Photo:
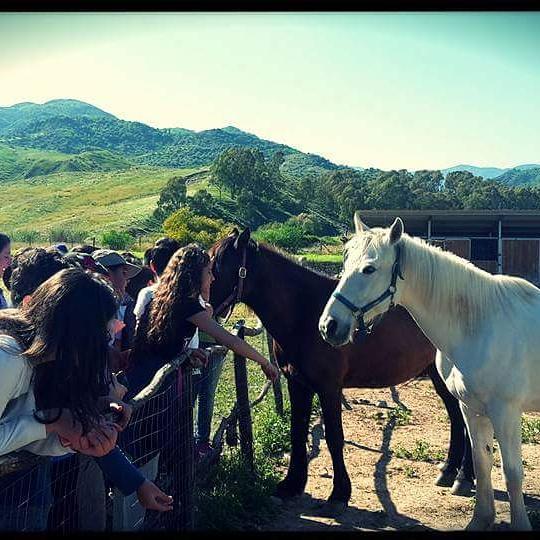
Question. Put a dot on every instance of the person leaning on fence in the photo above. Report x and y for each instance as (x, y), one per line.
(5, 263)
(175, 313)
(63, 321)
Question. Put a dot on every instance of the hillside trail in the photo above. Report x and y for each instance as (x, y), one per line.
(390, 492)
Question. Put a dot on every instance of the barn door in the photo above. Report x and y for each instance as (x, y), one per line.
(520, 258)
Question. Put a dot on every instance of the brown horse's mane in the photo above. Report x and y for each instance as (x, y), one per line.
(279, 254)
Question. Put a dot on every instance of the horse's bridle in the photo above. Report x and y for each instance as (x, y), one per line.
(228, 304)
(359, 312)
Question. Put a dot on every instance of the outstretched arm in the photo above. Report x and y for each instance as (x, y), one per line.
(203, 321)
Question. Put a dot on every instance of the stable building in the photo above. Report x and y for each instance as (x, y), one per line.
(499, 241)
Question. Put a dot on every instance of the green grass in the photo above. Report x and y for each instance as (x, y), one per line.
(402, 415)
(237, 500)
(323, 257)
(422, 451)
(89, 201)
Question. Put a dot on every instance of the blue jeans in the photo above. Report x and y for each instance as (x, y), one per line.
(204, 388)
(26, 498)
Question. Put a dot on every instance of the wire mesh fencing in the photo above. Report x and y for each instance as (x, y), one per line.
(70, 493)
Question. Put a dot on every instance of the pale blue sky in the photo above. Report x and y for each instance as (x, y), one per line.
(390, 90)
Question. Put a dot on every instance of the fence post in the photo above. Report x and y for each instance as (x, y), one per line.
(276, 387)
(187, 453)
(242, 399)
(178, 456)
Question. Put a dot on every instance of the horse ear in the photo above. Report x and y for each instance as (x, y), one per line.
(359, 225)
(242, 241)
(344, 239)
(234, 232)
(396, 231)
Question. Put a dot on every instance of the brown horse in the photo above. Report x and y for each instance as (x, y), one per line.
(289, 298)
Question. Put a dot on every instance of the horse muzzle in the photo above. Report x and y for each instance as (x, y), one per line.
(332, 332)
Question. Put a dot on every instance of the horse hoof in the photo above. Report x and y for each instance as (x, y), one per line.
(462, 488)
(332, 509)
(285, 492)
(446, 479)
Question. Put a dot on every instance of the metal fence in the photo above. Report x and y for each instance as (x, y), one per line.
(70, 493)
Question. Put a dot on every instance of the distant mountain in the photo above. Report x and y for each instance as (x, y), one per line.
(488, 172)
(72, 127)
(485, 172)
(528, 176)
(23, 113)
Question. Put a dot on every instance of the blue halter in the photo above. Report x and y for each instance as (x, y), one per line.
(359, 312)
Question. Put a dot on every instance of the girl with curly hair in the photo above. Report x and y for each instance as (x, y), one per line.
(176, 312)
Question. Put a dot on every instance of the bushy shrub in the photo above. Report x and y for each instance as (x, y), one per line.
(186, 226)
(289, 235)
(117, 240)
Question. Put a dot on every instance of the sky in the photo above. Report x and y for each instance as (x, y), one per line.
(367, 89)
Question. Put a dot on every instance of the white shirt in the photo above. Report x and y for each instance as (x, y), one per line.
(19, 430)
(145, 295)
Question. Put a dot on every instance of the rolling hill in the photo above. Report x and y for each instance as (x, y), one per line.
(73, 127)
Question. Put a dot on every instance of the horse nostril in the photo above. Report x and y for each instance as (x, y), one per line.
(331, 326)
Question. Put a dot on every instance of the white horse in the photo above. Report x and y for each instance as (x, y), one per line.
(486, 329)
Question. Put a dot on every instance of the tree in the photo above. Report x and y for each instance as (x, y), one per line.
(171, 197)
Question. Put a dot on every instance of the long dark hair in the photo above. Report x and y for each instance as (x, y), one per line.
(180, 282)
(63, 333)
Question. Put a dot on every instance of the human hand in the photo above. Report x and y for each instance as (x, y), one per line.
(271, 371)
(152, 498)
(99, 441)
(117, 391)
(197, 358)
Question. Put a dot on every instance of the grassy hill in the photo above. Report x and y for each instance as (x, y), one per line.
(89, 201)
(18, 163)
(73, 127)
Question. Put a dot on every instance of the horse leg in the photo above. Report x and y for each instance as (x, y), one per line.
(341, 493)
(456, 451)
(464, 482)
(481, 433)
(507, 425)
(301, 399)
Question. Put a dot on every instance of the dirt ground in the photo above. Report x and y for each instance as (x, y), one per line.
(389, 492)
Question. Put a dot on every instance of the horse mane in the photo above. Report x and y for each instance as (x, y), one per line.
(273, 252)
(453, 284)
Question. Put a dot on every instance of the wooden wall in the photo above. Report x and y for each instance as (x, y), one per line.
(520, 258)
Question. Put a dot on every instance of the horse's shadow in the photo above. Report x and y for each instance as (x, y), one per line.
(308, 510)
(307, 513)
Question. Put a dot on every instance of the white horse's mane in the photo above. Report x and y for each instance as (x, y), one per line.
(453, 284)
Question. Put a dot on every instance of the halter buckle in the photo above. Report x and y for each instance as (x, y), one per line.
(242, 272)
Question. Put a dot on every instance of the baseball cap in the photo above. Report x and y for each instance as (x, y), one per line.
(85, 261)
(109, 258)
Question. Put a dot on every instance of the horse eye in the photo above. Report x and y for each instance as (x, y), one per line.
(369, 269)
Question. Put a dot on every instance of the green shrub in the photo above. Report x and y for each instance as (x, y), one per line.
(530, 430)
(117, 240)
(186, 226)
(289, 235)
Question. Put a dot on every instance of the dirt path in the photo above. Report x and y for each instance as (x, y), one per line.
(389, 492)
